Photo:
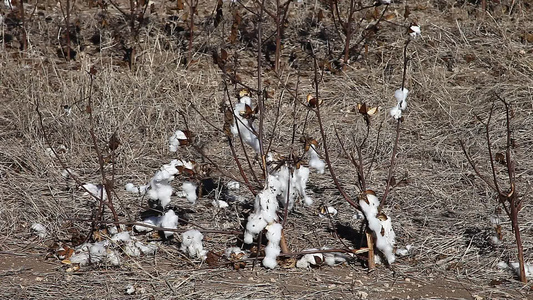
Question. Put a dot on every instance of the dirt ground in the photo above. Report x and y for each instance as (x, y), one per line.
(145, 79)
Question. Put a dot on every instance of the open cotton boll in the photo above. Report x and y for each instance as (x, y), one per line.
(234, 251)
(272, 251)
(97, 252)
(174, 140)
(233, 185)
(160, 191)
(300, 178)
(314, 160)
(256, 223)
(81, 258)
(528, 269)
(130, 187)
(274, 233)
(169, 220)
(192, 244)
(246, 100)
(189, 189)
(268, 204)
(401, 94)
(307, 260)
(244, 127)
(131, 250)
(220, 204)
(396, 113)
(149, 249)
(414, 31)
(39, 230)
(121, 236)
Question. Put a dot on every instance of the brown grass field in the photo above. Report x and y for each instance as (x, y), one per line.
(463, 59)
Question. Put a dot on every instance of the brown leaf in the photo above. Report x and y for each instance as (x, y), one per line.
(500, 158)
(114, 142)
(179, 5)
(212, 259)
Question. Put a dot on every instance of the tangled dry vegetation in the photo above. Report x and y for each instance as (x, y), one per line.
(151, 77)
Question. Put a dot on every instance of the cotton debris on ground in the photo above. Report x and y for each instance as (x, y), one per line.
(192, 244)
(107, 252)
(39, 230)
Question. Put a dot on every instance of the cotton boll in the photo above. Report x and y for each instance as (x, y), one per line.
(192, 244)
(169, 220)
(174, 140)
(528, 269)
(248, 237)
(268, 204)
(112, 258)
(131, 250)
(385, 2)
(233, 185)
(161, 192)
(270, 262)
(401, 94)
(256, 224)
(396, 113)
(112, 229)
(39, 230)
(301, 176)
(130, 289)
(414, 31)
(314, 160)
(502, 265)
(234, 251)
(97, 252)
(130, 187)
(190, 191)
(81, 258)
(220, 204)
(246, 100)
(149, 249)
(274, 233)
(121, 236)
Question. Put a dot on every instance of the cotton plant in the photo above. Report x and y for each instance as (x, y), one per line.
(380, 225)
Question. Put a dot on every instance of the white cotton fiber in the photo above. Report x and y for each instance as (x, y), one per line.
(220, 204)
(39, 230)
(256, 223)
(131, 250)
(244, 126)
(149, 249)
(189, 189)
(233, 185)
(121, 236)
(192, 244)
(169, 220)
(274, 233)
(401, 95)
(314, 160)
(528, 268)
(174, 140)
